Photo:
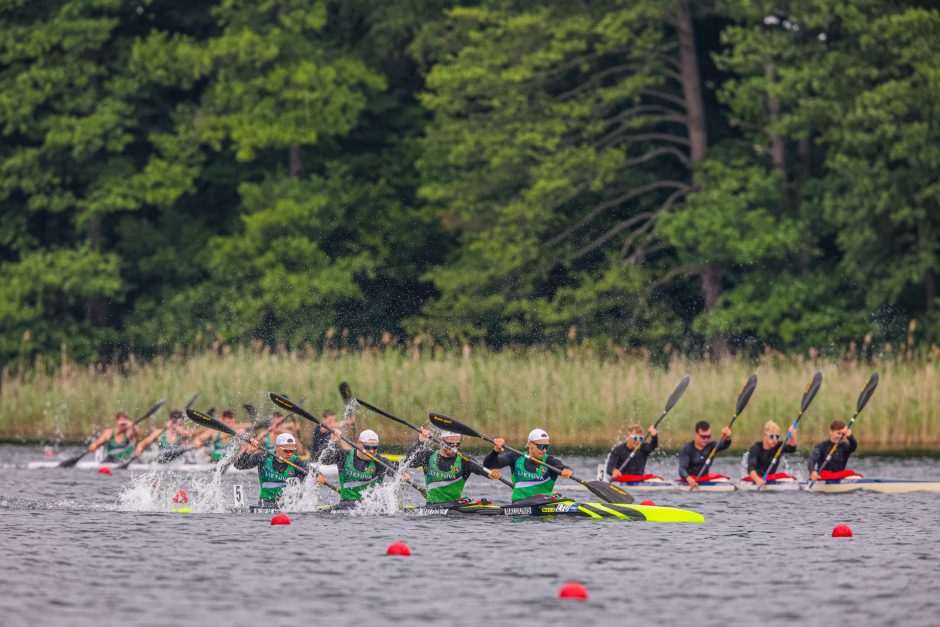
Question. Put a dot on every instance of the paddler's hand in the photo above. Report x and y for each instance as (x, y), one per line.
(758, 481)
(814, 476)
(615, 473)
(406, 477)
(726, 432)
(498, 444)
(495, 475)
(425, 434)
(566, 473)
(692, 482)
(652, 431)
(321, 479)
(847, 432)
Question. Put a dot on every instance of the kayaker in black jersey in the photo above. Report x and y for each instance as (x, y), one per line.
(762, 453)
(357, 471)
(693, 455)
(321, 435)
(274, 473)
(532, 482)
(836, 468)
(635, 470)
(119, 440)
(445, 473)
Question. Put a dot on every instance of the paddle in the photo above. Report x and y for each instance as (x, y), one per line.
(204, 420)
(168, 456)
(346, 392)
(70, 462)
(743, 397)
(670, 403)
(606, 491)
(859, 406)
(289, 405)
(808, 395)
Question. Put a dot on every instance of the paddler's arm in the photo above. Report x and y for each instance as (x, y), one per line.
(653, 444)
(814, 460)
(104, 437)
(499, 457)
(853, 443)
(557, 467)
(248, 460)
(418, 455)
(333, 455)
(471, 467)
(614, 459)
(143, 444)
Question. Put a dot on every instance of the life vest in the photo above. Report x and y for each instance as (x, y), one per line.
(219, 447)
(352, 481)
(272, 481)
(119, 450)
(444, 486)
(526, 483)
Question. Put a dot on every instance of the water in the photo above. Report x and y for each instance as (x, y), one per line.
(84, 549)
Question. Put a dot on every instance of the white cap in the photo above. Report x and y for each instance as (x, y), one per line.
(537, 434)
(450, 434)
(369, 436)
(284, 438)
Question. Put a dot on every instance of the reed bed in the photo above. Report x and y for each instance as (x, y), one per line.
(581, 398)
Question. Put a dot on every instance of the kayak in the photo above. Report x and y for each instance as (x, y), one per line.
(884, 486)
(179, 465)
(588, 510)
(660, 486)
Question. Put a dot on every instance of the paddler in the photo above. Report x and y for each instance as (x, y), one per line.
(273, 473)
(761, 454)
(693, 455)
(278, 424)
(218, 441)
(118, 440)
(836, 468)
(173, 439)
(533, 483)
(445, 472)
(321, 435)
(358, 472)
(634, 445)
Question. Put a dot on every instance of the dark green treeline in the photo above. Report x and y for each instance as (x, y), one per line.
(712, 175)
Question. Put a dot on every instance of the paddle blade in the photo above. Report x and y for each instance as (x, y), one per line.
(867, 392)
(745, 395)
(252, 412)
(608, 492)
(346, 392)
(71, 461)
(207, 421)
(191, 401)
(810, 393)
(285, 403)
(452, 424)
(676, 394)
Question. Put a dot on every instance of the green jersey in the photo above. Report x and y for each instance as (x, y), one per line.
(444, 486)
(272, 481)
(219, 447)
(526, 483)
(352, 481)
(119, 450)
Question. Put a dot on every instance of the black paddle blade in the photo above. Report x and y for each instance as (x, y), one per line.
(867, 392)
(609, 492)
(191, 401)
(745, 394)
(285, 403)
(207, 421)
(810, 393)
(676, 394)
(346, 392)
(451, 424)
(252, 412)
(71, 461)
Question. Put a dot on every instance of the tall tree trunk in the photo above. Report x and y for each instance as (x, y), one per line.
(778, 155)
(930, 289)
(698, 143)
(296, 168)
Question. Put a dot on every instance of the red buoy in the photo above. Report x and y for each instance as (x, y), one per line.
(280, 519)
(573, 590)
(104, 470)
(398, 548)
(841, 531)
(181, 497)
(648, 502)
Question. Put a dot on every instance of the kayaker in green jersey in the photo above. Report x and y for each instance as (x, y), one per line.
(118, 440)
(357, 471)
(172, 439)
(445, 472)
(217, 441)
(273, 472)
(532, 482)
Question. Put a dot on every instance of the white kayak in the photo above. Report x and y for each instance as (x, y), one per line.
(849, 484)
(174, 466)
(885, 486)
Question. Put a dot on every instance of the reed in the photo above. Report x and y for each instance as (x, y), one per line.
(582, 398)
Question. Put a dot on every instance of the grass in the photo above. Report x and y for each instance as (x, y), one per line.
(583, 400)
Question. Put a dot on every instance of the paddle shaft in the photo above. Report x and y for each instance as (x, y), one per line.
(300, 411)
(441, 442)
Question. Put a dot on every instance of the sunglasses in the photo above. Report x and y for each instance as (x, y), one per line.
(370, 447)
(773, 436)
(542, 447)
(636, 438)
(704, 436)
(451, 444)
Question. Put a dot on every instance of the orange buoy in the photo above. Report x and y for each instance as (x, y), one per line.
(104, 470)
(841, 531)
(648, 502)
(573, 590)
(280, 519)
(398, 548)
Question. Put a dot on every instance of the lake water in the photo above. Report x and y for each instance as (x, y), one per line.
(84, 549)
